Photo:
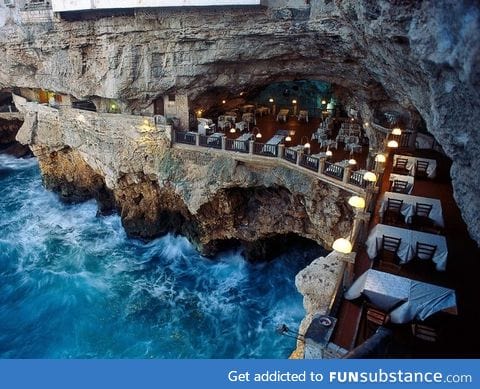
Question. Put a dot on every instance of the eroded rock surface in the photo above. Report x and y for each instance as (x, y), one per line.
(419, 56)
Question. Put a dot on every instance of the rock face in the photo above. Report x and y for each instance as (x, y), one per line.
(10, 123)
(422, 57)
(212, 197)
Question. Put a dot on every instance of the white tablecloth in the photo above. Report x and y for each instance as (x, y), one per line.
(401, 177)
(404, 298)
(408, 244)
(408, 206)
(412, 163)
(275, 140)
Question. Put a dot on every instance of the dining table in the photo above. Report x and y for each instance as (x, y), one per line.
(408, 206)
(404, 299)
(282, 114)
(408, 244)
(412, 164)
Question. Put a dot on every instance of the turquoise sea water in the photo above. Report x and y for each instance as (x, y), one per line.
(73, 285)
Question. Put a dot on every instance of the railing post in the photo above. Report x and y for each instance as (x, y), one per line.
(346, 174)
(281, 150)
(224, 142)
(197, 139)
(321, 165)
(250, 146)
(299, 157)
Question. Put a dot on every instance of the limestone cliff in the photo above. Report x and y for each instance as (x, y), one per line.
(422, 57)
(214, 198)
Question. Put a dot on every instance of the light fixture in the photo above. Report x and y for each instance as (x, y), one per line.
(241, 93)
(393, 144)
(396, 131)
(380, 158)
(352, 119)
(270, 100)
(328, 153)
(199, 113)
(258, 136)
(233, 130)
(370, 177)
(352, 162)
(146, 122)
(294, 101)
(113, 106)
(223, 101)
(342, 245)
(324, 102)
(367, 124)
(288, 138)
(357, 202)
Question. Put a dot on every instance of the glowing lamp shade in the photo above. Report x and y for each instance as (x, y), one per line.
(342, 245)
(380, 158)
(329, 153)
(393, 144)
(396, 131)
(113, 106)
(294, 101)
(258, 136)
(233, 130)
(370, 177)
(288, 138)
(357, 202)
(270, 100)
(367, 124)
(223, 101)
(307, 145)
(324, 102)
(352, 162)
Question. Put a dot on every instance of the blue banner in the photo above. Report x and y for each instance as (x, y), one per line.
(139, 374)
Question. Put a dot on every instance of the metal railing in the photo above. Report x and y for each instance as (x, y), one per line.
(333, 170)
(210, 141)
(265, 149)
(290, 155)
(188, 138)
(356, 179)
(241, 146)
(309, 162)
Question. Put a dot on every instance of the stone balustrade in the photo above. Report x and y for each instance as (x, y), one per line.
(326, 171)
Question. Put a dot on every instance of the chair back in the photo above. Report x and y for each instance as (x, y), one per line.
(401, 163)
(421, 167)
(390, 243)
(422, 209)
(399, 186)
(425, 251)
(394, 205)
(424, 332)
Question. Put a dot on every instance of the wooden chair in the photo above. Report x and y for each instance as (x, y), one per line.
(399, 186)
(400, 166)
(420, 219)
(424, 332)
(373, 318)
(425, 251)
(387, 255)
(392, 214)
(421, 169)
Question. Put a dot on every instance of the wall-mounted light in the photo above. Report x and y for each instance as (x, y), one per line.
(366, 124)
(342, 245)
(352, 162)
(270, 100)
(397, 131)
(324, 102)
(288, 138)
(223, 101)
(233, 130)
(357, 202)
(294, 101)
(370, 177)
(393, 144)
(257, 132)
(380, 158)
(328, 153)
